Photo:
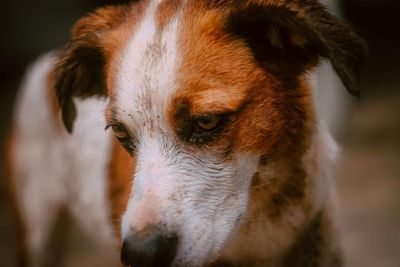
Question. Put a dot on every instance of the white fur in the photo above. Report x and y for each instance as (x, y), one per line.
(55, 169)
(193, 194)
(38, 169)
(146, 70)
(332, 99)
(318, 161)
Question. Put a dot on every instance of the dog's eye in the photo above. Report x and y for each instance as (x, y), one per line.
(206, 128)
(120, 131)
(199, 129)
(123, 136)
(207, 123)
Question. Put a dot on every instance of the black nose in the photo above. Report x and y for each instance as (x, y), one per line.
(151, 249)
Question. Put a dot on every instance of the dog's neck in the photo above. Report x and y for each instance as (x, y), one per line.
(287, 199)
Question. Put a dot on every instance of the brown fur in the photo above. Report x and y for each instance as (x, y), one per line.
(165, 11)
(210, 70)
(120, 178)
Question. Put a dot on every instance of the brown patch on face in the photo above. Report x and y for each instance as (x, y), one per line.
(257, 53)
(277, 121)
(119, 184)
(165, 12)
(219, 73)
(215, 70)
(23, 257)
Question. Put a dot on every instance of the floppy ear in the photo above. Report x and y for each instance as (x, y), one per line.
(288, 37)
(79, 71)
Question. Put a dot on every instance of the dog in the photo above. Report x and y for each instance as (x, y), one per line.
(186, 133)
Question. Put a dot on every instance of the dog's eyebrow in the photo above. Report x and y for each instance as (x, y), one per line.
(217, 101)
(111, 115)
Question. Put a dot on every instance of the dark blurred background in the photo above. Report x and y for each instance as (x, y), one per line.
(368, 172)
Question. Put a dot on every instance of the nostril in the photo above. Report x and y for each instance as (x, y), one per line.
(149, 250)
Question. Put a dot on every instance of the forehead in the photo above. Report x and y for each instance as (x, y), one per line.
(147, 62)
(179, 50)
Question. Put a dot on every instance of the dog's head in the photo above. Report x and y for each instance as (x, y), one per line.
(197, 92)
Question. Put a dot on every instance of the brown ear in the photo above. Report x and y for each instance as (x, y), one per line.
(288, 37)
(79, 71)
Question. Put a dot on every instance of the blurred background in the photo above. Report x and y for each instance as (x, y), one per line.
(368, 172)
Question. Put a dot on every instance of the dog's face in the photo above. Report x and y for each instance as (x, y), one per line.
(198, 91)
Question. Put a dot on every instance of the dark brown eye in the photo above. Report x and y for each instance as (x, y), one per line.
(120, 131)
(203, 128)
(207, 123)
(123, 136)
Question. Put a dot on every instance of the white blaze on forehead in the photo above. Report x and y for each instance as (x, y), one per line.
(146, 73)
(144, 82)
